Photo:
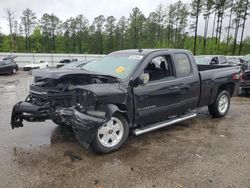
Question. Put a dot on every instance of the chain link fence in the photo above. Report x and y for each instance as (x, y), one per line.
(24, 58)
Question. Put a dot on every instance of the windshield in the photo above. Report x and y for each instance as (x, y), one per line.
(118, 65)
(202, 60)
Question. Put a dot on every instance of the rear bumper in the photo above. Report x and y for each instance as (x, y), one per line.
(84, 125)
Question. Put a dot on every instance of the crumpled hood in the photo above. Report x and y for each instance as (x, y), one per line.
(104, 89)
(59, 73)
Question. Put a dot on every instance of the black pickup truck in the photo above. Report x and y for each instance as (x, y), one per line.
(127, 91)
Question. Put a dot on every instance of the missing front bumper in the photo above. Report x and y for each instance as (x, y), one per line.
(29, 112)
(84, 125)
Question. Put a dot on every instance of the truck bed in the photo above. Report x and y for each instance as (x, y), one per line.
(212, 77)
(211, 67)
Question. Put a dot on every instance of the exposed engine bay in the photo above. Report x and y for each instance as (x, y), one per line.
(63, 92)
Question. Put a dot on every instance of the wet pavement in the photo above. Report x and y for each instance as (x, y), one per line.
(202, 152)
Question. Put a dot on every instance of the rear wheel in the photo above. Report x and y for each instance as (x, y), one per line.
(111, 136)
(221, 105)
(14, 71)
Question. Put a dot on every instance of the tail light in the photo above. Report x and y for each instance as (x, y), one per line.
(237, 76)
(243, 77)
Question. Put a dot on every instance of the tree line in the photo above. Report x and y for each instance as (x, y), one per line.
(173, 26)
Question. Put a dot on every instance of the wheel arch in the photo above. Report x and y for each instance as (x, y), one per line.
(228, 87)
(111, 109)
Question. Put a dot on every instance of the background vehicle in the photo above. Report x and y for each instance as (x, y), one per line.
(236, 61)
(245, 82)
(37, 64)
(76, 64)
(233, 60)
(65, 62)
(8, 65)
(138, 90)
(211, 60)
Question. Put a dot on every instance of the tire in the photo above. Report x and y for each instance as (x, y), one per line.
(106, 139)
(14, 71)
(221, 105)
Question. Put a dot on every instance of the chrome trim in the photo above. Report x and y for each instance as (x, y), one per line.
(38, 93)
(163, 124)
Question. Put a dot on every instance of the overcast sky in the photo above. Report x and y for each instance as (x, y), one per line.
(89, 8)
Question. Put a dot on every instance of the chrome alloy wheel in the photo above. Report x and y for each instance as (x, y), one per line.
(111, 133)
(223, 104)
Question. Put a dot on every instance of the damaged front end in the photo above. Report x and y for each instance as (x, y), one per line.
(29, 112)
(65, 103)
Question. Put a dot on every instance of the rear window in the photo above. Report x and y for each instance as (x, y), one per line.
(223, 60)
(183, 67)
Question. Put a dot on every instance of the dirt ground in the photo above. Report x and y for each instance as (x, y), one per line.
(202, 152)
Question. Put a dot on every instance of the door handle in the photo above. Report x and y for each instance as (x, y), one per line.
(174, 87)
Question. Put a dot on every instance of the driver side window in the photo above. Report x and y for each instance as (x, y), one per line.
(159, 68)
(214, 61)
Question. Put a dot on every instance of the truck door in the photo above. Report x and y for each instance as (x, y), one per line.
(167, 94)
(188, 81)
(158, 99)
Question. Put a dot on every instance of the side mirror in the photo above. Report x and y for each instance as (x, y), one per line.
(143, 79)
(213, 62)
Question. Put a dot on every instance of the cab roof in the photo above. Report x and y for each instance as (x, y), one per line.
(147, 51)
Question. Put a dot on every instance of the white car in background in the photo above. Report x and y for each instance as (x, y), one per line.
(37, 64)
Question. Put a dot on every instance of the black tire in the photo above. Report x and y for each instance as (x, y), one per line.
(100, 148)
(215, 110)
(14, 70)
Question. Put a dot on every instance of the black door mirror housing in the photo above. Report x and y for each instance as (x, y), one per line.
(142, 80)
(213, 62)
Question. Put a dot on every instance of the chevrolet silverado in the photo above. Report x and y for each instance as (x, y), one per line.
(127, 91)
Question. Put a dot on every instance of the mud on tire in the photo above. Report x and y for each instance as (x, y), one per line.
(221, 105)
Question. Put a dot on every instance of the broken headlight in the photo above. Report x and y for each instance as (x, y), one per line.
(85, 101)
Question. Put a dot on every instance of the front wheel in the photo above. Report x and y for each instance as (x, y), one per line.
(111, 136)
(221, 105)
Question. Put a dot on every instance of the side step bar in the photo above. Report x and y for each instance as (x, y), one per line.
(163, 124)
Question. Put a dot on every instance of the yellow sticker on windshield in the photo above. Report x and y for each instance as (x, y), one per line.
(120, 69)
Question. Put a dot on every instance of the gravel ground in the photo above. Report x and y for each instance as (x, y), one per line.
(202, 152)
